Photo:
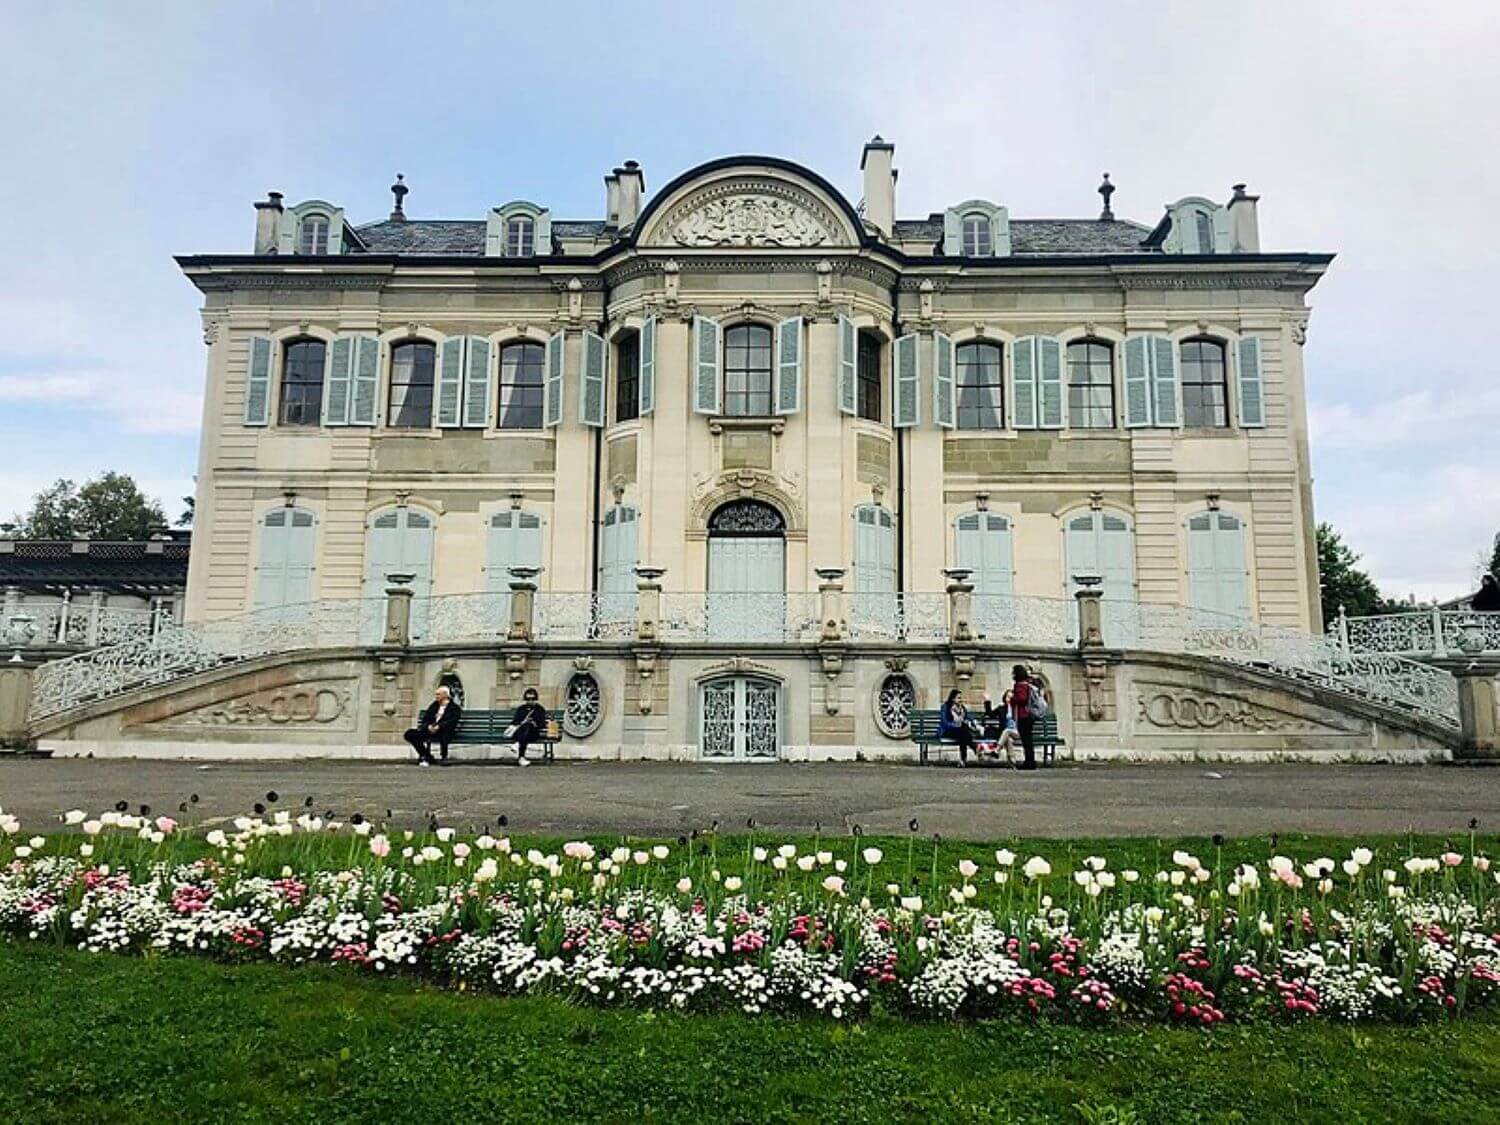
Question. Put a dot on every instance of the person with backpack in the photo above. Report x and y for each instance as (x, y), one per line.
(1029, 703)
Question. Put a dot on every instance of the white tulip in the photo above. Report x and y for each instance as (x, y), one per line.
(1001, 877)
(661, 851)
(445, 834)
(1096, 863)
(892, 889)
(92, 827)
(733, 883)
(1004, 857)
(970, 890)
(806, 862)
(833, 885)
(968, 868)
(22, 851)
(640, 859)
(684, 885)
(1036, 867)
(85, 850)
(912, 903)
(825, 858)
(1178, 878)
(1105, 879)
(872, 856)
(840, 866)
(786, 851)
(74, 816)
(779, 862)
(759, 855)
(1351, 868)
(1363, 856)
(1129, 875)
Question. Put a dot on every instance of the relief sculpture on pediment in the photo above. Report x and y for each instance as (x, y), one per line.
(749, 220)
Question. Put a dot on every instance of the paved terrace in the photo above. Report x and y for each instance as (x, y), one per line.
(671, 798)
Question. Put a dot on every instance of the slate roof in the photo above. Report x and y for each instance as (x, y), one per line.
(34, 564)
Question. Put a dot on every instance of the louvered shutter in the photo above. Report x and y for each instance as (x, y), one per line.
(450, 382)
(258, 381)
(1081, 549)
(1252, 389)
(1137, 383)
(1024, 360)
(906, 407)
(1229, 562)
(300, 543)
(1164, 382)
(789, 365)
(270, 574)
(366, 384)
(338, 380)
(553, 400)
(646, 387)
(705, 365)
(1203, 590)
(477, 383)
(591, 390)
(1116, 557)
(943, 403)
(848, 367)
(864, 549)
(515, 540)
(1051, 403)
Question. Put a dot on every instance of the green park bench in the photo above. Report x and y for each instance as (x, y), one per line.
(924, 732)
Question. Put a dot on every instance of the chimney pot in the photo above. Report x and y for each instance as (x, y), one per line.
(267, 222)
(632, 191)
(1244, 222)
(880, 184)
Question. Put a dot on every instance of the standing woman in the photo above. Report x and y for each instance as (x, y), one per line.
(953, 725)
(1022, 707)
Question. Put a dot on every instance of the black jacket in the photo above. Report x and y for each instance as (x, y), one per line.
(533, 713)
(450, 719)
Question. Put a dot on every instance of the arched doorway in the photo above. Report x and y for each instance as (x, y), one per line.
(746, 572)
(740, 718)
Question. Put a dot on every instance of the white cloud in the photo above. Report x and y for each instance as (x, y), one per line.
(52, 387)
(138, 406)
(1424, 416)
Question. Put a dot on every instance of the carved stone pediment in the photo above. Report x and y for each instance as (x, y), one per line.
(750, 211)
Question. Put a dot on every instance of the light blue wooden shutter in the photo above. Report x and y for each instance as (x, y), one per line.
(270, 574)
(591, 390)
(1203, 586)
(300, 544)
(553, 401)
(848, 367)
(943, 403)
(1137, 383)
(515, 540)
(646, 387)
(477, 383)
(1164, 382)
(789, 365)
(953, 233)
(1024, 361)
(906, 408)
(705, 365)
(366, 388)
(874, 550)
(1116, 557)
(338, 380)
(982, 544)
(617, 551)
(1051, 403)
(1252, 389)
(1216, 564)
(258, 381)
(450, 382)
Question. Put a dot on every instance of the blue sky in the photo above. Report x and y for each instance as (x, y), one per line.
(136, 131)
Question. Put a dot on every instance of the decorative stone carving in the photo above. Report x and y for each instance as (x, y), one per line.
(1299, 332)
(583, 705)
(449, 678)
(894, 701)
(390, 671)
(1183, 709)
(319, 706)
(211, 327)
(749, 220)
(1094, 672)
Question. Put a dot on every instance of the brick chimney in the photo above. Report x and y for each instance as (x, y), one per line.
(267, 222)
(880, 184)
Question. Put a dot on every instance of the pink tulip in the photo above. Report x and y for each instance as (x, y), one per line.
(380, 846)
(166, 825)
(1452, 859)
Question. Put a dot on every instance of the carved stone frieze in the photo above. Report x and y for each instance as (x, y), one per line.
(320, 705)
(1178, 708)
(750, 212)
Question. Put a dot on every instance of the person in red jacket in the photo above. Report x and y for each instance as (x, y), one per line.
(1021, 703)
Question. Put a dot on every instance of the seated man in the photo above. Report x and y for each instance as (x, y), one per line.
(527, 724)
(437, 724)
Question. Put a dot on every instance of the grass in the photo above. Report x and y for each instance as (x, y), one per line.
(105, 1038)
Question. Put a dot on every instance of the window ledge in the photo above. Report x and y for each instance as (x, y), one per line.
(624, 429)
(718, 423)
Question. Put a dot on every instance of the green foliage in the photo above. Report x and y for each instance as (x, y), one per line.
(189, 507)
(110, 506)
(107, 1038)
(1495, 557)
(1341, 581)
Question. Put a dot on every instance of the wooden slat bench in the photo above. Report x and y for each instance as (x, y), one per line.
(924, 732)
(487, 728)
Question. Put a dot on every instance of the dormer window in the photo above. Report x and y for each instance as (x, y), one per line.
(1205, 227)
(312, 235)
(977, 236)
(519, 237)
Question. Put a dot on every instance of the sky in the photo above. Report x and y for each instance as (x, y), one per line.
(138, 131)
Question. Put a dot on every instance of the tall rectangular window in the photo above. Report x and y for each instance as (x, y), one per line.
(747, 371)
(1091, 386)
(412, 368)
(1205, 389)
(628, 378)
(868, 396)
(521, 386)
(980, 387)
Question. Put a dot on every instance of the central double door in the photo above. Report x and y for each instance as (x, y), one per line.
(746, 598)
(741, 719)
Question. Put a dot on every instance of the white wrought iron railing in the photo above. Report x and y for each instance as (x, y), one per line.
(80, 625)
(744, 617)
(182, 650)
(918, 618)
(1431, 632)
(1380, 677)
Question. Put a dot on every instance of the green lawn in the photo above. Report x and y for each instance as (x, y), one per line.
(107, 1038)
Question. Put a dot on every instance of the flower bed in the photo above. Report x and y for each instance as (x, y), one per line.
(837, 930)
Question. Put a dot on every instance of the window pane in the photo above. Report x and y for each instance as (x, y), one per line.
(980, 399)
(869, 381)
(747, 371)
(627, 378)
(1205, 392)
(1091, 393)
(522, 389)
(412, 367)
(302, 383)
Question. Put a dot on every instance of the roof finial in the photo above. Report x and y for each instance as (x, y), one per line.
(399, 190)
(1106, 189)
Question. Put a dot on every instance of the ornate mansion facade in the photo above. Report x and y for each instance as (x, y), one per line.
(746, 396)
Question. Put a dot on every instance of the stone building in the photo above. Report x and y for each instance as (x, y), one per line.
(754, 395)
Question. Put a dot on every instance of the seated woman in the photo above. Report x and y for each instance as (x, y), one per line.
(953, 725)
(1000, 731)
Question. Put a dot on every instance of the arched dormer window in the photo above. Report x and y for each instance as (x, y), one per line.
(302, 367)
(312, 234)
(519, 237)
(976, 234)
(1205, 383)
(976, 229)
(1194, 225)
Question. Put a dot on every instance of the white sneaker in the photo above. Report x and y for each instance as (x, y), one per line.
(424, 764)
(522, 762)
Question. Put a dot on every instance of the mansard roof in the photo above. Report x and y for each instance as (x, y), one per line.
(134, 566)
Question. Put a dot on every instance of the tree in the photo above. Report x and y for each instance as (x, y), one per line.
(189, 504)
(1341, 580)
(1495, 557)
(110, 506)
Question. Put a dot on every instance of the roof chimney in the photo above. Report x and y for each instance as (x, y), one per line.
(267, 222)
(1244, 222)
(399, 190)
(632, 192)
(612, 199)
(880, 184)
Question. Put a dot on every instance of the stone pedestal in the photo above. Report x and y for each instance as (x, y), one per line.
(15, 704)
(398, 610)
(522, 610)
(1090, 618)
(1479, 717)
